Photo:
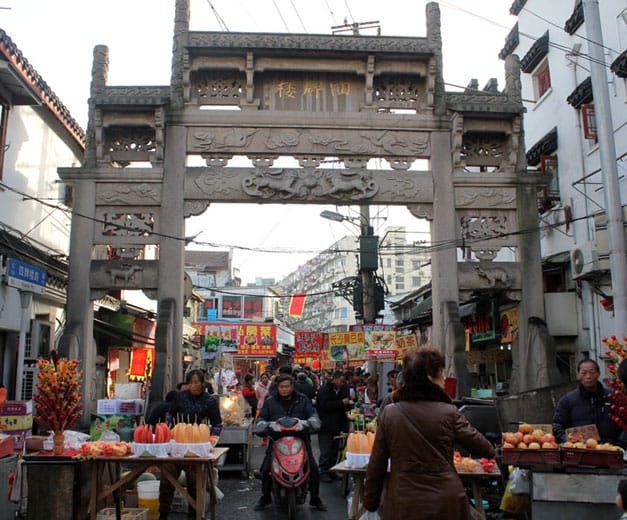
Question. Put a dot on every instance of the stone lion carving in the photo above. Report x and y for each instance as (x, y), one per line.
(123, 272)
(493, 275)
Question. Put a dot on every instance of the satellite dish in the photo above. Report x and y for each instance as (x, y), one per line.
(188, 287)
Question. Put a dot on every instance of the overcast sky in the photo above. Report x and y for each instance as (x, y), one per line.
(58, 37)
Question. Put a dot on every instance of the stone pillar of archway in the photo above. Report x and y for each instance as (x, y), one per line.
(77, 341)
(448, 333)
(171, 264)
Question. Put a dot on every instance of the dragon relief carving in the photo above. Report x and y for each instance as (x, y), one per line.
(129, 193)
(288, 184)
(489, 196)
(235, 138)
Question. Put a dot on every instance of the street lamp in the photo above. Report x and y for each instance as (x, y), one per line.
(368, 260)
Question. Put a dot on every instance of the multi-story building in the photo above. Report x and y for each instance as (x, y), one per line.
(403, 267)
(552, 41)
(37, 135)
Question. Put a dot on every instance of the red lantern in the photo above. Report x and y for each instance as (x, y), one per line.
(315, 364)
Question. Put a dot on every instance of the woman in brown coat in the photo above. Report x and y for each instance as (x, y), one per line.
(417, 434)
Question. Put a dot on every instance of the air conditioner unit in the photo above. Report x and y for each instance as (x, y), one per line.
(584, 260)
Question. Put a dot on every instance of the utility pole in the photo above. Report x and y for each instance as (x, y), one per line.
(368, 263)
(609, 170)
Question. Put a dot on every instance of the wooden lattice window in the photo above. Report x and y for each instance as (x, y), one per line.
(551, 194)
(543, 80)
(589, 122)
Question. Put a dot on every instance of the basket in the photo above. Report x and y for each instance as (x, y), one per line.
(156, 450)
(592, 458)
(128, 513)
(522, 457)
(197, 449)
(108, 406)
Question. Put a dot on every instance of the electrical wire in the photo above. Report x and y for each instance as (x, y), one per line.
(219, 19)
(281, 16)
(333, 21)
(350, 13)
(298, 16)
(525, 8)
(433, 247)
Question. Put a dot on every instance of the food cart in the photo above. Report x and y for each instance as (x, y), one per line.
(237, 434)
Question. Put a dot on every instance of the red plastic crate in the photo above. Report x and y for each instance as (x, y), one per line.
(592, 458)
(522, 457)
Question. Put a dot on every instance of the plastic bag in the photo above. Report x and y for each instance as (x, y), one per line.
(520, 481)
(73, 440)
(368, 515)
(514, 503)
(109, 436)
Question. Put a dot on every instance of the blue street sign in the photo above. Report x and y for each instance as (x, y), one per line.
(26, 276)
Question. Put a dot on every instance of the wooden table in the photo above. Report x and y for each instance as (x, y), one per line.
(477, 511)
(204, 479)
(359, 477)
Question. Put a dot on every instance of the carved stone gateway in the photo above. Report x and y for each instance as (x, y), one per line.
(317, 99)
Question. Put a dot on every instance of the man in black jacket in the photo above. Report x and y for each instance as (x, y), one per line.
(287, 402)
(332, 404)
(587, 404)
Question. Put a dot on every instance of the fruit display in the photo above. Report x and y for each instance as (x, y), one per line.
(470, 465)
(577, 441)
(360, 442)
(105, 449)
(529, 437)
(144, 434)
(190, 433)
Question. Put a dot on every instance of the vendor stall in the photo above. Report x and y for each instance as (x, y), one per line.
(237, 434)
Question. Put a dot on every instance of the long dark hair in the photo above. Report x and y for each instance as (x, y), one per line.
(417, 367)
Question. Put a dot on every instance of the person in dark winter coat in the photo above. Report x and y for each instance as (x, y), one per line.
(589, 403)
(192, 405)
(332, 404)
(416, 436)
(303, 386)
(287, 402)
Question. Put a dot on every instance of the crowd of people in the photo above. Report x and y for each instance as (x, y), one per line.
(413, 405)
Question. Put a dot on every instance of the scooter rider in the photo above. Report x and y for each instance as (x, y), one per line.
(287, 402)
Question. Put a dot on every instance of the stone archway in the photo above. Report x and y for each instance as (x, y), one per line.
(310, 97)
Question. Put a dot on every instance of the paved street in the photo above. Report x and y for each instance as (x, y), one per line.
(240, 496)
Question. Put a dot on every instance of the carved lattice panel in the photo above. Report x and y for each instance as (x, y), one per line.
(400, 92)
(218, 87)
(125, 144)
(488, 231)
(115, 226)
(484, 149)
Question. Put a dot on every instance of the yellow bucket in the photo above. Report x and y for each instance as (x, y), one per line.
(148, 497)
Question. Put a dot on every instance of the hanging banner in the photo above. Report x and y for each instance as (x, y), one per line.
(141, 363)
(347, 346)
(257, 340)
(218, 336)
(143, 332)
(308, 343)
(405, 344)
(297, 305)
(379, 340)
(509, 324)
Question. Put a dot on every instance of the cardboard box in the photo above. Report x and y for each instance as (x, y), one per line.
(17, 408)
(19, 437)
(6, 445)
(16, 422)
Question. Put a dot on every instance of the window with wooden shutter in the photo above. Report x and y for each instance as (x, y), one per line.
(589, 122)
(543, 80)
(551, 193)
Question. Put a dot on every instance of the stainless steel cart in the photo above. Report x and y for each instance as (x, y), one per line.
(239, 440)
